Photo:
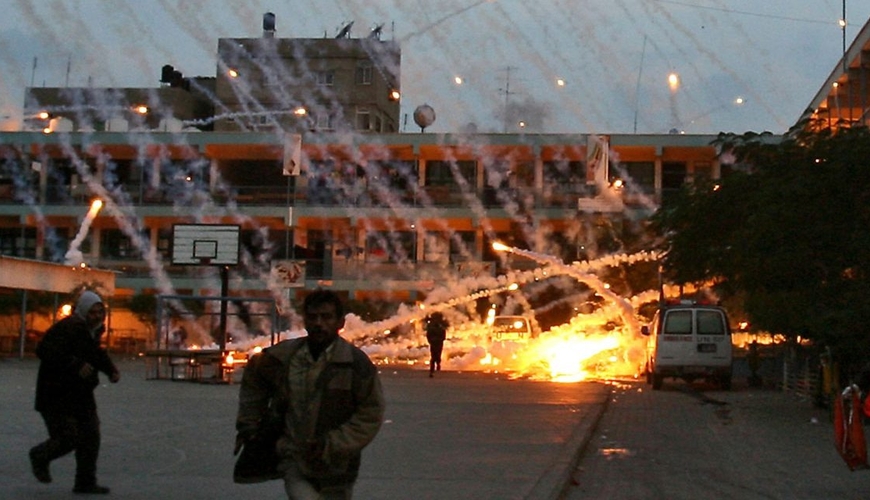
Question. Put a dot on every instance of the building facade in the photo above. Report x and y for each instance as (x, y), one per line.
(386, 215)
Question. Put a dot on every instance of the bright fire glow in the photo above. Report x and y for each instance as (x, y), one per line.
(673, 81)
(601, 342)
(96, 205)
(500, 247)
(65, 310)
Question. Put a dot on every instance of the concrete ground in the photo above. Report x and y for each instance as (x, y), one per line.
(459, 435)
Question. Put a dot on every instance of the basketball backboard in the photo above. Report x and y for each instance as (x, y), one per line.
(205, 244)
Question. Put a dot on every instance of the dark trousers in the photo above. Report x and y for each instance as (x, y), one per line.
(79, 432)
(435, 356)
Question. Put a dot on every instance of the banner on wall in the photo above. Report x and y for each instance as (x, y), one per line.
(287, 274)
(597, 159)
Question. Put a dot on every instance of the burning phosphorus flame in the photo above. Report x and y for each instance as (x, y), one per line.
(567, 359)
(74, 255)
(603, 343)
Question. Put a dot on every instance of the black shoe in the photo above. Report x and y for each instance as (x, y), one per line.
(91, 489)
(39, 468)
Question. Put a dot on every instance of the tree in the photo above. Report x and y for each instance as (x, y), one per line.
(789, 233)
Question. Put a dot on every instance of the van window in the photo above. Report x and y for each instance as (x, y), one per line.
(710, 323)
(678, 323)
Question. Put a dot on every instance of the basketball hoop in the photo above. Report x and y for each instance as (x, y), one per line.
(205, 244)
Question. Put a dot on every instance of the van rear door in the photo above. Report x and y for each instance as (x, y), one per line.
(676, 344)
(713, 341)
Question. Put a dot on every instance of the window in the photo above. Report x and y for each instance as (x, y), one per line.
(436, 246)
(164, 243)
(325, 78)
(322, 185)
(17, 243)
(256, 242)
(364, 74)
(114, 244)
(391, 246)
(324, 121)
(673, 175)
(564, 175)
(363, 120)
(462, 247)
(703, 171)
(710, 323)
(678, 323)
(641, 175)
(439, 172)
(673, 178)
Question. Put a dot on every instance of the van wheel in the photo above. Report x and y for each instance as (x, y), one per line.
(657, 380)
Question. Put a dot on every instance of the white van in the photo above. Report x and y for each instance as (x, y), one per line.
(689, 341)
(510, 329)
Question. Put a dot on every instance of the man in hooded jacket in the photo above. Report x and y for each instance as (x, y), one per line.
(70, 357)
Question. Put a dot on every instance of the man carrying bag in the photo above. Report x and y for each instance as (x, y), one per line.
(326, 397)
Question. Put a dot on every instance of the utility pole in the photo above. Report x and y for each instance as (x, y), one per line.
(637, 86)
(68, 67)
(507, 94)
(843, 24)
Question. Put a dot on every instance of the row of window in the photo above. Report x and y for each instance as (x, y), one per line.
(328, 180)
(378, 247)
(362, 75)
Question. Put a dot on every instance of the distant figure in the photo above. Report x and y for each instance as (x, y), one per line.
(178, 338)
(70, 357)
(436, 332)
(753, 359)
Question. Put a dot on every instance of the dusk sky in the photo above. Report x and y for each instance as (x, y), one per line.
(742, 64)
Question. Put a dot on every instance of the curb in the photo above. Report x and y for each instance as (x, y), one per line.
(559, 475)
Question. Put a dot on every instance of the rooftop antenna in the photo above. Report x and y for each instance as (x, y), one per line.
(637, 87)
(68, 65)
(507, 94)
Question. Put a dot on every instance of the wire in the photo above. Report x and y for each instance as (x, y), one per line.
(745, 13)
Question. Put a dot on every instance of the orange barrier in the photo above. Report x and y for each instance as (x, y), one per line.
(849, 429)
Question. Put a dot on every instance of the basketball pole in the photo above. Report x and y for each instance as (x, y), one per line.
(225, 284)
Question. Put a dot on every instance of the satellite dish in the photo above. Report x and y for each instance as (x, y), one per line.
(424, 116)
(376, 32)
(345, 32)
